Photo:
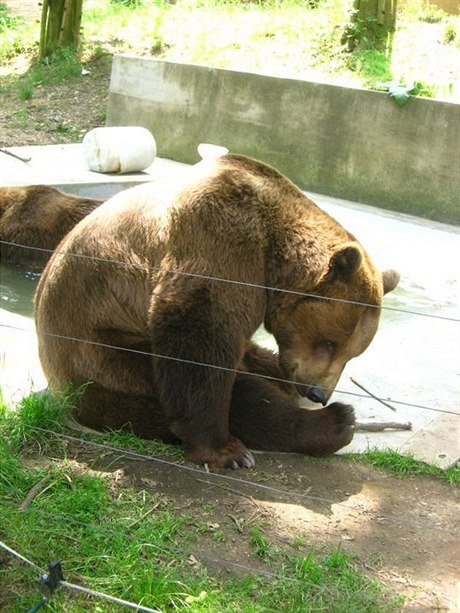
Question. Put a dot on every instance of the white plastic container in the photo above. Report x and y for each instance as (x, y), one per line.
(119, 149)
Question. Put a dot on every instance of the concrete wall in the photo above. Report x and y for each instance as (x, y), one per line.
(355, 144)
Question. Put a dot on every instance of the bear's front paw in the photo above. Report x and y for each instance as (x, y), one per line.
(327, 430)
(232, 455)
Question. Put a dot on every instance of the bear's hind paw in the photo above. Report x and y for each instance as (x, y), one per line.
(232, 455)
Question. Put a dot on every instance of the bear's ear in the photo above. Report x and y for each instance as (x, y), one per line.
(390, 280)
(345, 262)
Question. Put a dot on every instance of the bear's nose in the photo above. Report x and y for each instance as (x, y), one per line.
(318, 394)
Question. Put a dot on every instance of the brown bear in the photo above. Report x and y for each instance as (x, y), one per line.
(174, 280)
(37, 218)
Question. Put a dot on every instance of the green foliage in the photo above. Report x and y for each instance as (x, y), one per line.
(372, 64)
(26, 89)
(449, 34)
(59, 66)
(293, 37)
(110, 539)
(40, 410)
(360, 31)
(63, 64)
(12, 480)
(106, 532)
(130, 4)
(309, 569)
(6, 19)
(262, 546)
(15, 34)
(430, 13)
(123, 439)
(367, 28)
(402, 465)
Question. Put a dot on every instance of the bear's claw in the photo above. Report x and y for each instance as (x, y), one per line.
(247, 461)
(233, 455)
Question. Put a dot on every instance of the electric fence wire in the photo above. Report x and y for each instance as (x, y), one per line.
(168, 550)
(235, 282)
(185, 554)
(242, 482)
(159, 269)
(227, 369)
(228, 478)
(80, 588)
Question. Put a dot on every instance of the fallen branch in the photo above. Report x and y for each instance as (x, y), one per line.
(15, 155)
(371, 394)
(236, 521)
(146, 514)
(381, 426)
(34, 492)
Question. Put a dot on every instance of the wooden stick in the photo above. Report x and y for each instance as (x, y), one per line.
(146, 514)
(15, 155)
(380, 426)
(371, 394)
(236, 521)
(33, 493)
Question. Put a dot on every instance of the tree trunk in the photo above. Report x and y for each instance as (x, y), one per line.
(372, 24)
(60, 25)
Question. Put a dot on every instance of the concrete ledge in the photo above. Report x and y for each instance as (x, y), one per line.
(437, 444)
(64, 167)
(349, 143)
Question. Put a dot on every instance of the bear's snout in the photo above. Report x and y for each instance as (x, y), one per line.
(318, 394)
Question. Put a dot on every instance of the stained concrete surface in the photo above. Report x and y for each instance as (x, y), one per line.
(414, 360)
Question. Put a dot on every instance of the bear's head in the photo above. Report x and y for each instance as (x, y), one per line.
(320, 332)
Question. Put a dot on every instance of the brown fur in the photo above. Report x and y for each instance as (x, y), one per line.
(237, 220)
(37, 216)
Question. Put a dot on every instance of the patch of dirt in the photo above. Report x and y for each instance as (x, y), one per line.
(58, 113)
(30, 9)
(401, 532)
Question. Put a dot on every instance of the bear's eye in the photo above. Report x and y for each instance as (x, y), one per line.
(330, 346)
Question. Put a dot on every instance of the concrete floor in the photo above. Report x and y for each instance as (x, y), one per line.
(414, 359)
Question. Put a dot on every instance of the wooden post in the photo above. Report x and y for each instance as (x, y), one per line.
(60, 25)
(372, 22)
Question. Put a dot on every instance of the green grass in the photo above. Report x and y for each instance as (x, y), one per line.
(135, 545)
(16, 35)
(106, 542)
(262, 546)
(38, 410)
(406, 466)
(293, 38)
(110, 540)
(61, 66)
(8, 21)
(398, 465)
